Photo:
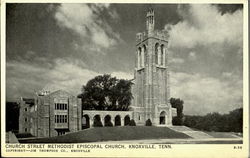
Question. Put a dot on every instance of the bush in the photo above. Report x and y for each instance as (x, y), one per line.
(132, 123)
(148, 122)
(109, 124)
(177, 121)
(97, 124)
(23, 135)
(230, 122)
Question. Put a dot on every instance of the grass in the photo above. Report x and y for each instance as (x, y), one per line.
(112, 133)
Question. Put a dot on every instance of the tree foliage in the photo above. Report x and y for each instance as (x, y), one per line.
(231, 122)
(178, 104)
(106, 93)
(12, 116)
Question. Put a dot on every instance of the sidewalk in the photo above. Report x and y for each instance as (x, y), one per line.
(179, 141)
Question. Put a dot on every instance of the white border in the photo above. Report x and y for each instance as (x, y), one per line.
(179, 150)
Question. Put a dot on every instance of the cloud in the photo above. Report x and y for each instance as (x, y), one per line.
(206, 25)
(122, 75)
(202, 94)
(211, 45)
(23, 79)
(176, 60)
(192, 56)
(85, 20)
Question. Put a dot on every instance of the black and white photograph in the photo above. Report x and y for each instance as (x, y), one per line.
(90, 78)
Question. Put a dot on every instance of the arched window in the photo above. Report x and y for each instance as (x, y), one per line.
(162, 55)
(156, 53)
(139, 58)
(143, 55)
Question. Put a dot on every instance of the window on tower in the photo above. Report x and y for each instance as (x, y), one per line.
(143, 55)
(156, 53)
(162, 55)
(139, 57)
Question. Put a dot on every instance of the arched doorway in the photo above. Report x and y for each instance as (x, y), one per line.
(163, 118)
(107, 121)
(85, 122)
(126, 120)
(97, 121)
(117, 120)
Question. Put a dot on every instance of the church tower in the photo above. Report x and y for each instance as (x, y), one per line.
(151, 89)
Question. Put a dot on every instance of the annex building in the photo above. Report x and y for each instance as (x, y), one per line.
(51, 113)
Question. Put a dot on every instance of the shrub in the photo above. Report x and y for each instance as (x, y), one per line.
(109, 124)
(176, 121)
(97, 124)
(132, 123)
(148, 122)
(23, 135)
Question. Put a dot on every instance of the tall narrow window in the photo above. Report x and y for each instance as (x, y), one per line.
(65, 119)
(139, 58)
(143, 55)
(60, 118)
(162, 55)
(156, 53)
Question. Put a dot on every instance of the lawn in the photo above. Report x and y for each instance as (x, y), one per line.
(112, 133)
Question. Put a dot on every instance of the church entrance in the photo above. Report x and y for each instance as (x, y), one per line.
(163, 118)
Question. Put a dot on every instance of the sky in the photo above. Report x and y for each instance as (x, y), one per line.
(62, 46)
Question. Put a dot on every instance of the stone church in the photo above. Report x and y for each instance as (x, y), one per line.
(56, 112)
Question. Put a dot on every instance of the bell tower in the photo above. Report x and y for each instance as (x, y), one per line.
(151, 89)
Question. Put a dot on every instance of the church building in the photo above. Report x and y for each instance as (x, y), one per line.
(56, 112)
(151, 90)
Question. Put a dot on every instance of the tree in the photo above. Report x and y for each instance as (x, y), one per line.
(231, 122)
(106, 93)
(178, 104)
(12, 116)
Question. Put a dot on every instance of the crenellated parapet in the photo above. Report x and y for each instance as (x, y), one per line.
(159, 34)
